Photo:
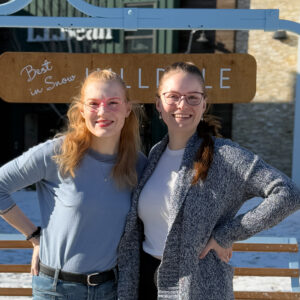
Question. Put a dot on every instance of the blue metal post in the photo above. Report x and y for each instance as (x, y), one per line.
(296, 147)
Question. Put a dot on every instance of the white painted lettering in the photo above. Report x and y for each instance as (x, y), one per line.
(62, 34)
(34, 37)
(222, 78)
(203, 74)
(101, 34)
(58, 37)
(140, 81)
(88, 34)
(46, 34)
(32, 73)
(30, 35)
(36, 91)
(122, 76)
(158, 70)
(108, 35)
(53, 84)
(80, 34)
(71, 33)
(122, 73)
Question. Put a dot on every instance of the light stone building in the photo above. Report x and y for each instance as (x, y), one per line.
(266, 125)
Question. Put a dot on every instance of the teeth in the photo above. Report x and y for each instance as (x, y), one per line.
(181, 116)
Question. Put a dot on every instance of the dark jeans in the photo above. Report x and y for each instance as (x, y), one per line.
(147, 287)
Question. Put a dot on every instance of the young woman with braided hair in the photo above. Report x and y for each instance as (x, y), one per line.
(182, 223)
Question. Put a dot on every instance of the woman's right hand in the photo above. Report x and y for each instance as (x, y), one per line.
(224, 254)
(35, 257)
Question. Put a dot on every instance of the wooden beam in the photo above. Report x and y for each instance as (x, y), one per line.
(281, 272)
(15, 244)
(267, 295)
(15, 292)
(265, 247)
(5, 268)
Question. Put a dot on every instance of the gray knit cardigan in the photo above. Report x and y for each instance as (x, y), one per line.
(203, 210)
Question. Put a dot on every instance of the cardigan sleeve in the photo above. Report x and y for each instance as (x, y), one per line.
(129, 259)
(281, 197)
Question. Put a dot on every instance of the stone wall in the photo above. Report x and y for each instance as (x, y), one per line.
(265, 125)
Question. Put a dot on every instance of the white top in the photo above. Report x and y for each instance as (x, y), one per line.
(154, 201)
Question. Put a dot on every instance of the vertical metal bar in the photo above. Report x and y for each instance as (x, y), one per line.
(169, 33)
(120, 45)
(296, 147)
(161, 39)
(294, 280)
(110, 45)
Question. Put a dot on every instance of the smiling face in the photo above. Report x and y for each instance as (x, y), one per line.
(104, 109)
(181, 118)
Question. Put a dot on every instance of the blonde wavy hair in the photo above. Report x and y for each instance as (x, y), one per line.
(77, 137)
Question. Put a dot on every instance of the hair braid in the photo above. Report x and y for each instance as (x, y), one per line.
(206, 129)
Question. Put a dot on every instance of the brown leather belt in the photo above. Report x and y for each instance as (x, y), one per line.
(88, 279)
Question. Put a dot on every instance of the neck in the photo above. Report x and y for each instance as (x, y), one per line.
(178, 140)
(105, 145)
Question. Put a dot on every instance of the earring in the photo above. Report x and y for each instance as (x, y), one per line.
(159, 115)
(202, 119)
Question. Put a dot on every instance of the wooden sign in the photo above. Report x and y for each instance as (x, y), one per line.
(39, 77)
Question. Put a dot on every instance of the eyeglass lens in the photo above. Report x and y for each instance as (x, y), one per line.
(191, 98)
(109, 103)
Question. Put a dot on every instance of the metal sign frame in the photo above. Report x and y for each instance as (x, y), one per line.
(176, 19)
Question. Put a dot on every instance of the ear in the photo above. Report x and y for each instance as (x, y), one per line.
(81, 110)
(158, 104)
(128, 109)
(204, 103)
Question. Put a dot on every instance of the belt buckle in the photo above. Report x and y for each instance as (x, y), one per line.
(88, 279)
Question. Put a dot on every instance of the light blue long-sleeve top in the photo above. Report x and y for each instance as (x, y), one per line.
(82, 218)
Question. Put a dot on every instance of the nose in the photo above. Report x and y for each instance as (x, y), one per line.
(182, 101)
(102, 108)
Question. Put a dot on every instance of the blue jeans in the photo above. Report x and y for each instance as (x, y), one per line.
(45, 287)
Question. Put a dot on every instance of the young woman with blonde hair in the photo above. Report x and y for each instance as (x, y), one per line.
(182, 223)
(84, 178)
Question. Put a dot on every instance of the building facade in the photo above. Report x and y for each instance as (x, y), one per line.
(266, 124)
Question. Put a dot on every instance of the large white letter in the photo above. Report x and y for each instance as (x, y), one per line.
(30, 35)
(140, 81)
(80, 34)
(203, 74)
(122, 76)
(101, 34)
(158, 70)
(108, 34)
(222, 78)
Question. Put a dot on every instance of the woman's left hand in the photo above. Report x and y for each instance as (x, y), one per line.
(35, 256)
(224, 254)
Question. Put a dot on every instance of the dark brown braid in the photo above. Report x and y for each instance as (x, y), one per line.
(207, 127)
